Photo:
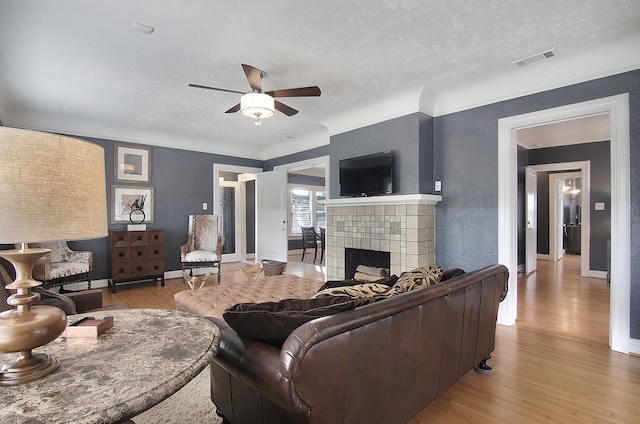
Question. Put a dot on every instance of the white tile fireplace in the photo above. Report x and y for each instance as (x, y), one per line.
(403, 225)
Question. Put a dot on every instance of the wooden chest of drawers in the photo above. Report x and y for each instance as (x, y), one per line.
(136, 256)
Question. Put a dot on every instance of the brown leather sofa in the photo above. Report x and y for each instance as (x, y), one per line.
(378, 363)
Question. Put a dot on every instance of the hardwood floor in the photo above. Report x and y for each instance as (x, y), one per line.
(554, 365)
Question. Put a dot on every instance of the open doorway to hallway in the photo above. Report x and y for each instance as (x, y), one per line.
(618, 109)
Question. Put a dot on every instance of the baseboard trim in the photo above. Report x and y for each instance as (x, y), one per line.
(597, 274)
(634, 346)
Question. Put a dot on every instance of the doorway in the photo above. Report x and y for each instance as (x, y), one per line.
(232, 185)
(618, 109)
(555, 220)
(313, 176)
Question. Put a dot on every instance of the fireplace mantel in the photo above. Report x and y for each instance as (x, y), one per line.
(403, 225)
(401, 199)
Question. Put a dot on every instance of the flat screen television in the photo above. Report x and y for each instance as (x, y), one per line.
(368, 175)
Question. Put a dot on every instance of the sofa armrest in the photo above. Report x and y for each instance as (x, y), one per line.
(86, 300)
(256, 364)
(184, 249)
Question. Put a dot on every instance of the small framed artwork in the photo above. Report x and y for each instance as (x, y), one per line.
(131, 204)
(132, 164)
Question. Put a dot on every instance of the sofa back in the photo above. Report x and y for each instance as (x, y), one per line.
(382, 362)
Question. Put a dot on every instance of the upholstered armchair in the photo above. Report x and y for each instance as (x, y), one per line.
(62, 265)
(70, 303)
(204, 244)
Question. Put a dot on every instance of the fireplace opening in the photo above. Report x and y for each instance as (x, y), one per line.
(355, 257)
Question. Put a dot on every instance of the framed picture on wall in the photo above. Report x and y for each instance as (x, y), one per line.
(131, 204)
(132, 164)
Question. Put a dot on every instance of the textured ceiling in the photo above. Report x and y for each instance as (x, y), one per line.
(574, 131)
(79, 67)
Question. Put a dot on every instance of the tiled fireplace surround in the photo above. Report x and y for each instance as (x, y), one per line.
(403, 225)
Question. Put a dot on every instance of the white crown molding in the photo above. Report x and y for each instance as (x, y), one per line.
(558, 72)
(297, 144)
(392, 107)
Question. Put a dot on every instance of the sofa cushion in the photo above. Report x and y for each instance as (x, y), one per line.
(363, 293)
(272, 322)
(417, 278)
(200, 256)
(451, 273)
(388, 281)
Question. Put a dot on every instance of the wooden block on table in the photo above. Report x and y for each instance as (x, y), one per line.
(89, 327)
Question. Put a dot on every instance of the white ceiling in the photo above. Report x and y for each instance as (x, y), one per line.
(587, 129)
(79, 67)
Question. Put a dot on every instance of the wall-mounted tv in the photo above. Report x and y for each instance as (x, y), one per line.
(366, 175)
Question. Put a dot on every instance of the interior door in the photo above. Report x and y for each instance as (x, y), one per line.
(271, 220)
(531, 187)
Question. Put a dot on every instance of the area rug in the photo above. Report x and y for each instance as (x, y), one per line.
(191, 404)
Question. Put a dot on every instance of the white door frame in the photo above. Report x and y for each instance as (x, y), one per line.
(585, 233)
(241, 227)
(310, 163)
(556, 251)
(618, 109)
(240, 212)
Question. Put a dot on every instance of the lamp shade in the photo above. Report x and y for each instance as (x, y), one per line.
(51, 188)
(257, 105)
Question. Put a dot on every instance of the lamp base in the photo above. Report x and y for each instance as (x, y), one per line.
(27, 367)
(26, 327)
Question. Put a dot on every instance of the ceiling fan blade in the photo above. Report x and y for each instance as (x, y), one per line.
(234, 109)
(287, 110)
(215, 88)
(296, 92)
(254, 76)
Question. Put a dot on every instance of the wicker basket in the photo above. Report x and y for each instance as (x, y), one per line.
(273, 267)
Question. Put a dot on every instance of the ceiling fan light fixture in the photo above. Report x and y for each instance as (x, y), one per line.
(257, 106)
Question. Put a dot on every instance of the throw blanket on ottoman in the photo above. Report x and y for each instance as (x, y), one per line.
(211, 301)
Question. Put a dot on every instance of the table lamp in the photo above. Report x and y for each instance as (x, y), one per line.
(52, 188)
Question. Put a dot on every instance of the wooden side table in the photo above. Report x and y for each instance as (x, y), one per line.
(148, 355)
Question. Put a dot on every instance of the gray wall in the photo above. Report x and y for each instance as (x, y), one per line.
(409, 138)
(542, 234)
(182, 181)
(465, 159)
(600, 222)
(305, 180)
(523, 160)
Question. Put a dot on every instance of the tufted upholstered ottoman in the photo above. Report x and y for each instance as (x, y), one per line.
(211, 301)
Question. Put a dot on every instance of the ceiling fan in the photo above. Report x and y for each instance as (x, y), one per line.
(257, 104)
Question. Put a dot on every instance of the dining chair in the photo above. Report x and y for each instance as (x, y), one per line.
(310, 239)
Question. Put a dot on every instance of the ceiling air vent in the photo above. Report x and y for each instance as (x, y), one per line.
(536, 58)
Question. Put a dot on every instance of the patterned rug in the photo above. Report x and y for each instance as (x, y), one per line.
(191, 404)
